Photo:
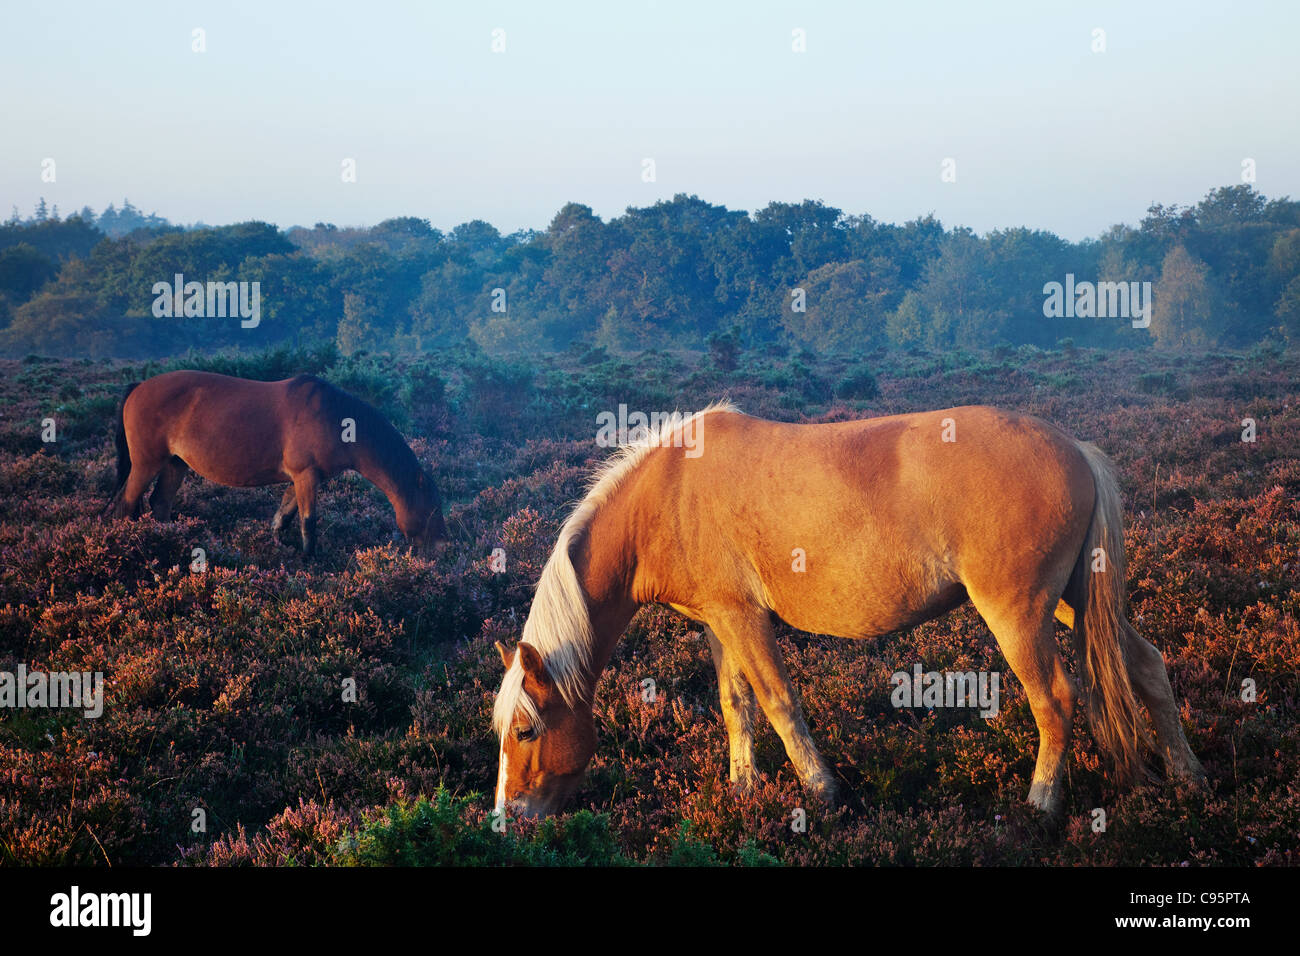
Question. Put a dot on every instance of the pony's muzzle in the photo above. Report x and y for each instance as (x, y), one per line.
(524, 809)
(422, 546)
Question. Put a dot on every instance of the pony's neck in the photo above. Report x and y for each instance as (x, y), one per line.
(604, 560)
(378, 469)
(623, 517)
(370, 466)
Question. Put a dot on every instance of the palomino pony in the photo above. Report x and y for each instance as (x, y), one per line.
(891, 521)
(247, 433)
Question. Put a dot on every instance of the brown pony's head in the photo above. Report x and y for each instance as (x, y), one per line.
(545, 743)
(421, 518)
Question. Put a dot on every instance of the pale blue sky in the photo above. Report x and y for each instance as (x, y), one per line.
(1044, 132)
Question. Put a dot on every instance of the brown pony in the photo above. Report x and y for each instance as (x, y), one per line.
(853, 529)
(247, 433)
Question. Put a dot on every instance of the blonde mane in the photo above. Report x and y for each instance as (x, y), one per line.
(558, 624)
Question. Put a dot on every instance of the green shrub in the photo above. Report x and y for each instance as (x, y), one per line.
(1160, 383)
(442, 832)
(266, 365)
(858, 383)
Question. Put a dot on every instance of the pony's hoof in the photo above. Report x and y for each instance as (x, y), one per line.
(823, 792)
(1048, 824)
(1193, 777)
(1050, 801)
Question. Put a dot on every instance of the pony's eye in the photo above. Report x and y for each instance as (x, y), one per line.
(525, 734)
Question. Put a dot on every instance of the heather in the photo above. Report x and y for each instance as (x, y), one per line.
(226, 687)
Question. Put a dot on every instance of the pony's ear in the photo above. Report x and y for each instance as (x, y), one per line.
(531, 662)
(506, 656)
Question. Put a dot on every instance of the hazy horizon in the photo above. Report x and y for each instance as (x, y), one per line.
(1044, 132)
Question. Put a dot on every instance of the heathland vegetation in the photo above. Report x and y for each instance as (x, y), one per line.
(227, 735)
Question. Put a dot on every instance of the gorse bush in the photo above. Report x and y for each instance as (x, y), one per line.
(857, 383)
(1159, 383)
(455, 831)
(269, 365)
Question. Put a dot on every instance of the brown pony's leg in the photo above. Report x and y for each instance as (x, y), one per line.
(305, 484)
(1027, 638)
(288, 508)
(1146, 669)
(164, 493)
(137, 483)
(737, 699)
(749, 642)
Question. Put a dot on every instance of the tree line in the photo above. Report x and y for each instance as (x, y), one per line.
(682, 272)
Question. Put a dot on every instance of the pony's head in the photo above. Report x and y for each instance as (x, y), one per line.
(546, 743)
(421, 518)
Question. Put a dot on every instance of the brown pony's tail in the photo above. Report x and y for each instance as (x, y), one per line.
(123, 450)
(1096, 593)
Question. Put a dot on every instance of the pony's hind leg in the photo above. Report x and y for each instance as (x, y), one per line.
(164, 492)
(749, 643)
(305, 485)
(132, 494)
(737, 699)
(1028, 642)
(288, 508)
(1146, 670)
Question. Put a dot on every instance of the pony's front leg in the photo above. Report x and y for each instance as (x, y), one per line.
(748, 640)
(305, 484)
(737, 699)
